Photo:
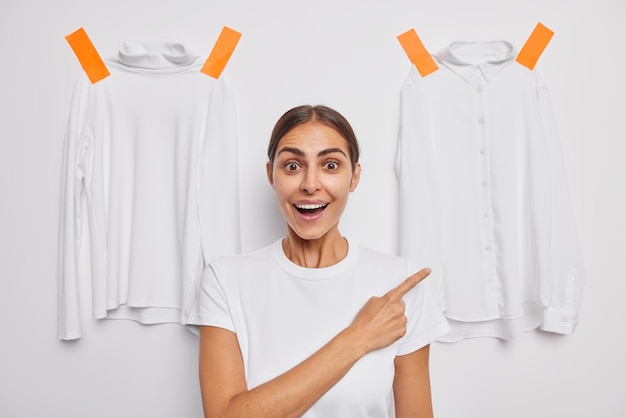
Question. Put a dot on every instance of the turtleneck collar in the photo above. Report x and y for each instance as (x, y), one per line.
(154, 54)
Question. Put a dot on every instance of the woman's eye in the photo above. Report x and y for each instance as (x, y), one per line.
(331, 165)
(291, 166)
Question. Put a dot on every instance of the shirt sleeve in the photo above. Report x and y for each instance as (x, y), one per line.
(212, 307)
(425, 320)
(70, 215)
(421, 230)
(218, 185)
(563, 290)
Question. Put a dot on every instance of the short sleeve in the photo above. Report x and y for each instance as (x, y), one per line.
(212, 307)
(425, 319)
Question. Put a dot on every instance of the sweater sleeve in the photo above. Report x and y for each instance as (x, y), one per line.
(70, 216)
(218, 185)
(563, 292)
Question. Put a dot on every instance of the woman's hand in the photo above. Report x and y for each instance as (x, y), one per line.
(382, 321)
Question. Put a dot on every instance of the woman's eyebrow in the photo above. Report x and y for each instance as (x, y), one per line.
(322, 153)
(295, 151)
(330, 151)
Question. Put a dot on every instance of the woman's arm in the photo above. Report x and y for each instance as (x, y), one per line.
(380, 322)
(411, 385)
(223, 384)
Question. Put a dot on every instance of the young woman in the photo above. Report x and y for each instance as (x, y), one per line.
(315, 325)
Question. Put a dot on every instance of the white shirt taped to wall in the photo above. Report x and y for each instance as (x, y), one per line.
(484, 196)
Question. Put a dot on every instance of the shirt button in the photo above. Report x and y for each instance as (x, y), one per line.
(481, 120)
(483, 183)
(479, 90)
(487, 247)
(485, 215)
(482, 151)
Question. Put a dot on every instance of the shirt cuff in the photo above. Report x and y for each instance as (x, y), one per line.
(558, 320)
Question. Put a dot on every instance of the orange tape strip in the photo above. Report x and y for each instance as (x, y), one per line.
(87, 56)
(534, 46)
(222, 50)
(418, 55)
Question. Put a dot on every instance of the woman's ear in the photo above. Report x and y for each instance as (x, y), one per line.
(356, 176)
(268, 169)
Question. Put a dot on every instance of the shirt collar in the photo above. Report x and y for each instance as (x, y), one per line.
(154, 55)
(464, 57)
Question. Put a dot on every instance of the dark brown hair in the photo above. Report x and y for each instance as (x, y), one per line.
(322, 114)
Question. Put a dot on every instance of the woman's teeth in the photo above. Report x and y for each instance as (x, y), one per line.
(310, 207)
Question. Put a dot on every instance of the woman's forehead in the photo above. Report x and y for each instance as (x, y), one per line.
(313, 136)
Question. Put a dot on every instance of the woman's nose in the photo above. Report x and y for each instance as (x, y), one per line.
(310, 182)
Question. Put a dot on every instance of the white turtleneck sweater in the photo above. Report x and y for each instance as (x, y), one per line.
(153, 149)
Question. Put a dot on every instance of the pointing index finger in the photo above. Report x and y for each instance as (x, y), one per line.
(409, 283)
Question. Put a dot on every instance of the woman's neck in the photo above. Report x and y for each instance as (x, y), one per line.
(322, 252)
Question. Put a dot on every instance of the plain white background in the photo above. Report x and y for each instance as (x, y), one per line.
(343, 54)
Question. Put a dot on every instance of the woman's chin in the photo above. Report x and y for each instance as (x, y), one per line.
(313, 233)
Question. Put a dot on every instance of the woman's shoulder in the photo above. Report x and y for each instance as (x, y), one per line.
(261, 255)
(370, 256)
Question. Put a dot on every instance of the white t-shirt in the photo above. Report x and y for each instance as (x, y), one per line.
(282, 313)
(153, 148)
(484, 195)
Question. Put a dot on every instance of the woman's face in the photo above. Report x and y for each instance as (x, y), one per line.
(312, 177)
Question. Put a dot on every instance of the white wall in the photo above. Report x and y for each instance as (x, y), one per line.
(343, 54)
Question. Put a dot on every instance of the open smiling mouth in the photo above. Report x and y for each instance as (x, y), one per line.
(311, 209)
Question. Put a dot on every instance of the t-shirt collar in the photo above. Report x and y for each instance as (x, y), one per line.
(154, 54)
(323, 273)
(464, 58)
